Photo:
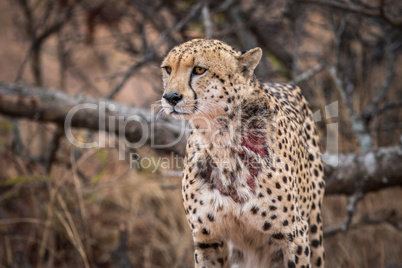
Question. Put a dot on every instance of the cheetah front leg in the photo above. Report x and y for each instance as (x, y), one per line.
(297, 251)
(212, 253)
(297, 255)
(316, 236)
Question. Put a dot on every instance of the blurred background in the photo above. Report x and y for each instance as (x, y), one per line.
(64, 206)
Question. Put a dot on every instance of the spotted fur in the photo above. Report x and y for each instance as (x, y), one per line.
(253, 178)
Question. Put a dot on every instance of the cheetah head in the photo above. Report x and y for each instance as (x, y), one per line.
(204, 78)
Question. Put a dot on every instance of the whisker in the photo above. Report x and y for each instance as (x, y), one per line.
(159, 114)
(157, 103)
(203, 113)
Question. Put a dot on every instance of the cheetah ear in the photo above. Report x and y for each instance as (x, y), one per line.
(249, 60)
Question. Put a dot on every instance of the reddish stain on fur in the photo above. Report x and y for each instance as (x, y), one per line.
(254, 141)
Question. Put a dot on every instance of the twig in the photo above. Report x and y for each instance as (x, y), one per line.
(194, 10)
(351, 209)
(392, 105)
(53, 147)
(244, 34)
(127, 75)
(207, 20)
(334, 69)
(300, 29)
(17, 145)
(32, 31)
(390, 59)
(62, 56)
(352, 202)
(308, 74)
(372, 109)
(388, 218)
(224, 6)
(144, 40)
(387, 17)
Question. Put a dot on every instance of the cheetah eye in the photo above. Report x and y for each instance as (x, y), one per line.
(199, 70)
(168, 69)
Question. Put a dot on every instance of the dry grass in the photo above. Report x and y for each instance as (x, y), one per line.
(118, 213)
(62, 220)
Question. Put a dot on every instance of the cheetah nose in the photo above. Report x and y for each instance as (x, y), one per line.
(173, 98)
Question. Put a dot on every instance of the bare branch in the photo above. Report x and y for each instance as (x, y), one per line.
(390, 59)
(384, 218)
(389, 106)
(207, 21)
(128, 74)
(37, 40)
(42, 105)
(150, 54)
(372, 109)
(32, 31)
(351, 208)
(346, 89)
(308, 74)
(369, 171)
(54, 146)
(378, 13)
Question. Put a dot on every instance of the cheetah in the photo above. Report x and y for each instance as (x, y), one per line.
(253, 182)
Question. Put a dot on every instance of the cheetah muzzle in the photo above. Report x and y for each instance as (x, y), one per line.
(253, 178)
